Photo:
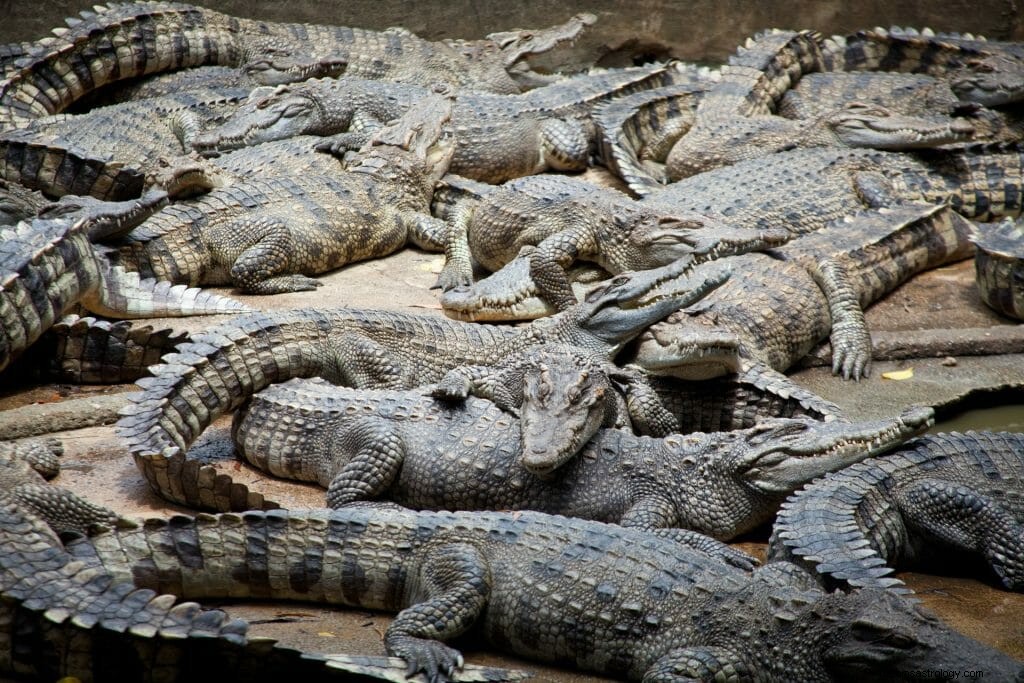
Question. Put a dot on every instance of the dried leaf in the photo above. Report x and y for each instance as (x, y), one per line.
(899, 374)
(326, 634)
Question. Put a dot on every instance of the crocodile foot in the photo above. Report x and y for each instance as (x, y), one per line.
(437, 661)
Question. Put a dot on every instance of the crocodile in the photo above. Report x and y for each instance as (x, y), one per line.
(497, 137)
(61, 619)
(814, 287)
(25, 467)
(419, 452)
(87, 350)
(948, 494)
(635, 133)
(561, 390)
(569, 219)
(915, 95)
(735, 119)
(999, 266)
(78, 154)
(224, 365)
(990, 73)
(806, 189)
(265, 235)
(115, 42)
(18, 203)
(49, 264)
(622, 602)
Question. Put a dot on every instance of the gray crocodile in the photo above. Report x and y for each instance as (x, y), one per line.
(814, 287)
(422, 453)
(999, 266)
(48, 264)
(987, 72)
(266, 235)
(735, 119)
(60, 154)
(569, 219)
(221, 367)
(497, 137)
(120, 41)
(939, 495)
(621, 602)
(560, 392)
(806, 189)
(63, 619)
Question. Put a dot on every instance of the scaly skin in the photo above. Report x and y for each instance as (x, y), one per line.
(804, 190)
(636, 133)
(49, 264)
(620, 602)
(117, 42)
(815, 286)
(559, 391)
(223, 366)
(497, 137)
(416, 451)
(938, 494)
(569, 220)
(266, 235)
(913, 95)
(120, 141)
(62, 619)
(987, 72)
(999, 267)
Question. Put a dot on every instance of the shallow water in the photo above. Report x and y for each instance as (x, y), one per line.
(1008, 417)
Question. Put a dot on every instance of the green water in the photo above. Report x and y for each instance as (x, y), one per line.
(1008, 417)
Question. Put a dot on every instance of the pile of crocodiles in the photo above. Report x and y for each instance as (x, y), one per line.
(565, 489)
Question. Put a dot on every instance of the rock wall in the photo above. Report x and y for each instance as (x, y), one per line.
(694, 30)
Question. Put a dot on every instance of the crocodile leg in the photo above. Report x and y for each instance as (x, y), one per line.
(565, 146)
(709, 546)
(453, 587)
(961, 517)
(851, 341)
(458, 261)
(700, 664)
(646, 411)
(261, 264)
(428, 233)
(550, 259)
(376, 458)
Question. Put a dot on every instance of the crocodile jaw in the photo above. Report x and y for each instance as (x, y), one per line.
(901, 132)
(783, 464)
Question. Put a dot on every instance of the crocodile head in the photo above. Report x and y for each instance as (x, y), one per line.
(564, 404)
(870, 125)
(101, 219)
(656, 239)
(619, 309)
(991, 80)
(877, 635)
(271, 114)
(780, 455)
(508, 294)
(284, 66)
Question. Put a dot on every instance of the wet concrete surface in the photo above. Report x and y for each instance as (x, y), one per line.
(98, 467)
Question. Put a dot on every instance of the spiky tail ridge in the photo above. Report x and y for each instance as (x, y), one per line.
(207, 377)
(112, 43)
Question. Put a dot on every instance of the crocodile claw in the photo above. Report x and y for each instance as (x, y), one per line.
(437, 661)
(453, 386)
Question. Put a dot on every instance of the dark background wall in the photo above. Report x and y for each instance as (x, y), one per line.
(695, 30)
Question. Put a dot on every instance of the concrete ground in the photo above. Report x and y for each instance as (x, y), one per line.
(96, 465)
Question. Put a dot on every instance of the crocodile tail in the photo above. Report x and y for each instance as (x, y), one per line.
(90, 351)
(762, 70)
(879, 49)
(211, 375)
(58, 171)
(643, 127)
(113, 43)
(124, 294)
(76, 620)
